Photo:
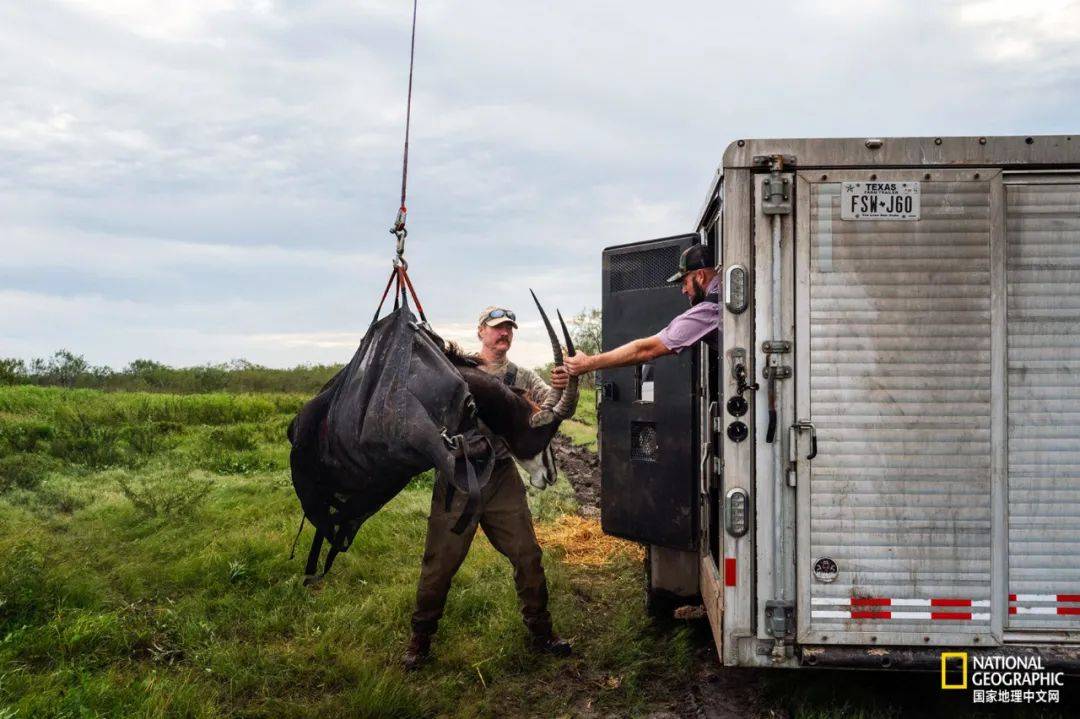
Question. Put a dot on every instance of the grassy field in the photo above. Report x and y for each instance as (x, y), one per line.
(144, 572)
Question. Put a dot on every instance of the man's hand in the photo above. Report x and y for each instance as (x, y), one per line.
(578, 364)
(559, 378)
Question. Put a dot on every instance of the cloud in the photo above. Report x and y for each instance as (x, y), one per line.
(204, 180)
(1023, 32)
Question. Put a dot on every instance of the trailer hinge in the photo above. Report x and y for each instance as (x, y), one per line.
(779, 347)
(779, 618)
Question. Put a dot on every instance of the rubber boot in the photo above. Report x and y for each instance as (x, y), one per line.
(551, 643)
(417, 652)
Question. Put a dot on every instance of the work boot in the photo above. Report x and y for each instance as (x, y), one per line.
(551, 643)
(417, 652)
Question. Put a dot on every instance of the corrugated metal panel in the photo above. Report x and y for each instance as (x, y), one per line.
(1043, 275)
(900, 394)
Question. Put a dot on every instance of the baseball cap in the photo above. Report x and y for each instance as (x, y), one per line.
(694, 257)
(493, 315)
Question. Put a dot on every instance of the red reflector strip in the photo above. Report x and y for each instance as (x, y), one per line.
(870, 601)
(1068, 610)
(950, 602)
(1012, 597)
(729, 571)
(966, 616)
(1068, 597)
(1012, 610)
(871, 615)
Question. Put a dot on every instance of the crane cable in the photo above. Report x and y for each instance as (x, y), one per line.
(400, 273)
(399, 223)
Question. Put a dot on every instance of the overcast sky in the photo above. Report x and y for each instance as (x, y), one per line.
(204, 180)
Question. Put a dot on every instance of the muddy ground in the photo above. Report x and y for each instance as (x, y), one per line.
(582, 467)
(713, 692)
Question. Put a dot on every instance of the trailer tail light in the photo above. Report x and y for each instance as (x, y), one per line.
(737, 512)
(735, 288)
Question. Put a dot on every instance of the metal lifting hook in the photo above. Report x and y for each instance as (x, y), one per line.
(399, 231)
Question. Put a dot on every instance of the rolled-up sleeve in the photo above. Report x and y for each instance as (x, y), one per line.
(690, 327)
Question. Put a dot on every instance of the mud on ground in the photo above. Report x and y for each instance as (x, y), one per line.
(581, 466)
(714, 692)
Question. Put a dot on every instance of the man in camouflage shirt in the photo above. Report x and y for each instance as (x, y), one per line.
(504, 515)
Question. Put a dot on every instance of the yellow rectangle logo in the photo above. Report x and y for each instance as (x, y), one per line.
(945, 657)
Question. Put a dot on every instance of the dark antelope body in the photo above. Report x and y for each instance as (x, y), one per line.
(405, 404)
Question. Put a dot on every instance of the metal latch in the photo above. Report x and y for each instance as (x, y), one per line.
(776, 190)
(779, 618)
(776, 195)
(777, 372)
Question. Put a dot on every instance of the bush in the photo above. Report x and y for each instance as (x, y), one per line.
(235, 437)
(58, 496)
(150, 437)
(166, 493)
(80, 440)
(25, 435)
(24, 471)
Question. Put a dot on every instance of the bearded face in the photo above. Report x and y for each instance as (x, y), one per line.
(694, 287)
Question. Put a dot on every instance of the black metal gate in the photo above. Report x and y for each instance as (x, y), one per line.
(648, 432)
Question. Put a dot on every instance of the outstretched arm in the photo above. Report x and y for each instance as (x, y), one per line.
(631, 353)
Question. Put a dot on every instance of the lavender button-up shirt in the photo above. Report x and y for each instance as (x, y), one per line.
(700, 322)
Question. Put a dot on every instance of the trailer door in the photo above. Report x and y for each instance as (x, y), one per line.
(647, 413)
(894, 370)
(1043, 273)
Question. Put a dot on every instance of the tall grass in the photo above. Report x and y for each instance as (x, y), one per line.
(144, 571)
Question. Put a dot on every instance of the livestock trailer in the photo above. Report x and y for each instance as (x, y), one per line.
(881, 461)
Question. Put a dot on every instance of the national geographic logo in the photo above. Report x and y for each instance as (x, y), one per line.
(1001, 679)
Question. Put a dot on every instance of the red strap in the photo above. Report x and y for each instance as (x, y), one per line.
(408, 283)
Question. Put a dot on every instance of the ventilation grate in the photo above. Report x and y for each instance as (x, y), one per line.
(644, 444)
(644, 270)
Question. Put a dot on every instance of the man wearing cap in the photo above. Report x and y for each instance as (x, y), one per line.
(701, 285)
(504, 514)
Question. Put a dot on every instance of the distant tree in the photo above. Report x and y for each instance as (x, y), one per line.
(585, 330)
(12, 371)
(65, 368)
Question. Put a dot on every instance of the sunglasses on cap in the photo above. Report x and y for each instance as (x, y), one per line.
(499, 314)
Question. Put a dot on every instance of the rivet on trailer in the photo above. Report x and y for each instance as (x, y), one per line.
(882, 461)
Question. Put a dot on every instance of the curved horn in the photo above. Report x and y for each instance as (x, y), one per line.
(544, 416)
(567, 404)
(566, 335)
(556, 350)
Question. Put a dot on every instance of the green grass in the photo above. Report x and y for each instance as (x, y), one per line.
(144, 572)
(582, 428)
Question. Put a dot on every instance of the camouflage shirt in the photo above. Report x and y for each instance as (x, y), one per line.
(535, 388)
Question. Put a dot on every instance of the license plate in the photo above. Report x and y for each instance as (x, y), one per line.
(879, 201)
